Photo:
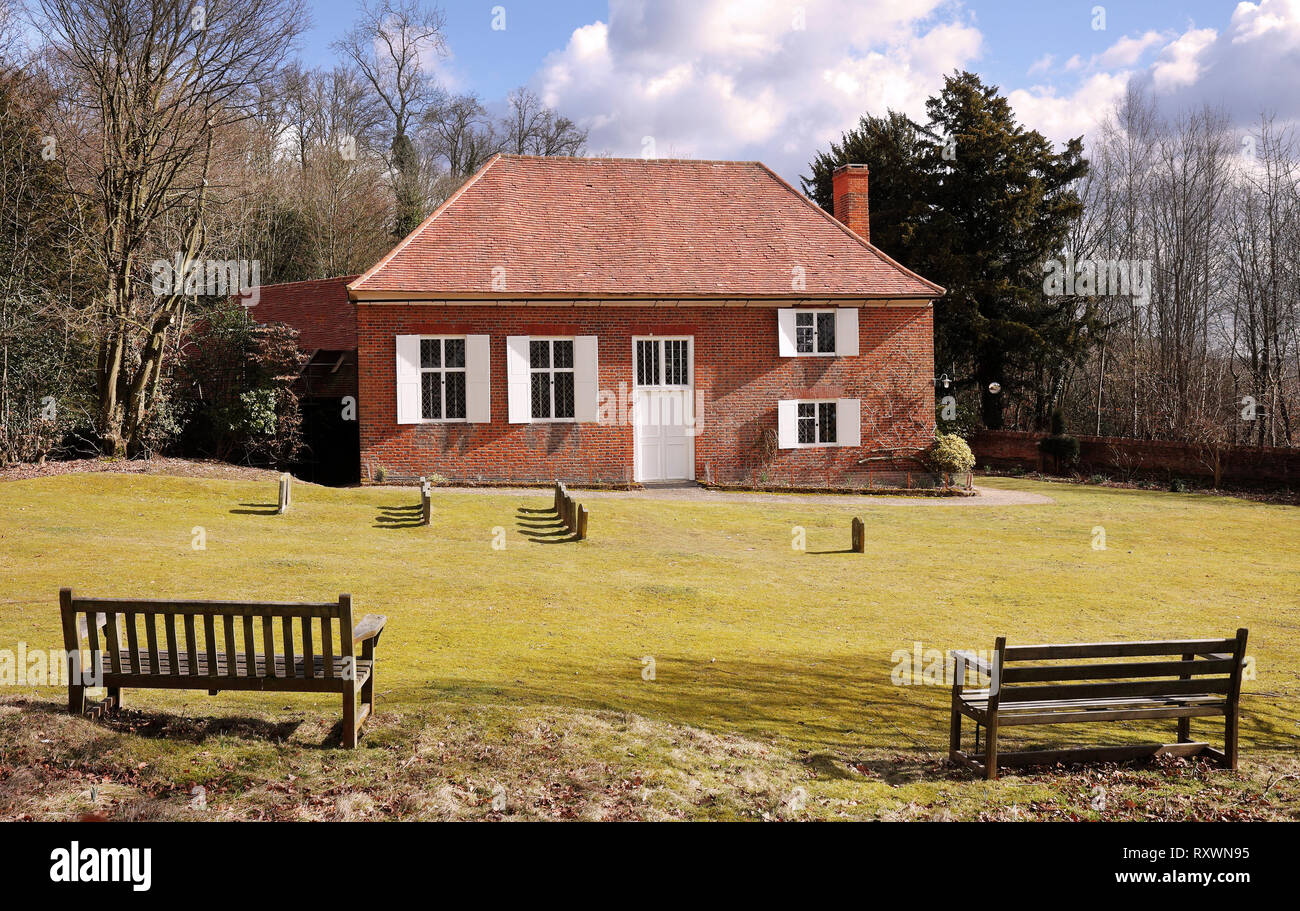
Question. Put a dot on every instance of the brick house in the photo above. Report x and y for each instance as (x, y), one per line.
(616, 320)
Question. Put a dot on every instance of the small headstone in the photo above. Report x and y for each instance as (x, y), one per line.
(859, 536)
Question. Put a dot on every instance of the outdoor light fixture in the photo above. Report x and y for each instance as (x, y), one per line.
(995, 388)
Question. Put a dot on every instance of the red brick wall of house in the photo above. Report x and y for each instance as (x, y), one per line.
(739, 377)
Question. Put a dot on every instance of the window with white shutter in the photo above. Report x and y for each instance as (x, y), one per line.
(817, 333)
(806, 424)
(443, 379)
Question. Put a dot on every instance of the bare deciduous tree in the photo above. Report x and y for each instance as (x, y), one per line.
(155, 82)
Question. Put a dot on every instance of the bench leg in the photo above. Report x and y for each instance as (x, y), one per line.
(1184, 730)
(350, 717)
(954, 733)
(1230, 740)
(368, 694)
(991, 750)
(114, 699)
(76, 698)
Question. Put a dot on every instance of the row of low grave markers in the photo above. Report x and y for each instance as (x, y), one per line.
(426, 502)
(571, 513)
(286, 493)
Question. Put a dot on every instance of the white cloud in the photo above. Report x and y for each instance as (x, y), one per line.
(1128, 50)
(1250, 67)
(726, 79)
(1179, 62)
(735, 79)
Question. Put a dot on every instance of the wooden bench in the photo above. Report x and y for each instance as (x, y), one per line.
(177, 645)
(1025, 688)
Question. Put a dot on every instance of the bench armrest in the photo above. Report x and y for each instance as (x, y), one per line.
(973, 660)
(370, 627)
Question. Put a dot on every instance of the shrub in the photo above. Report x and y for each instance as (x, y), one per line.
(1177, 485)
(1063, 449)
(950, 453)
(233, 389)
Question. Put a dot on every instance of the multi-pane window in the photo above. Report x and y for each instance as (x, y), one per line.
(814, 332)
(816, 422)
(663, 362)
(550, 363)
(442, 379)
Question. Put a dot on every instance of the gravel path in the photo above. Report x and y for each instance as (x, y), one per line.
(696, 494)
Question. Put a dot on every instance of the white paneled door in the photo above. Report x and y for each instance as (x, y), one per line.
(664, 408)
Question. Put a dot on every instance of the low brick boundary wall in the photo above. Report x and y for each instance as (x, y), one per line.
(1121, 458)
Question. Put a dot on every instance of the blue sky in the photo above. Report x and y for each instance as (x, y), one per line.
(777, 79)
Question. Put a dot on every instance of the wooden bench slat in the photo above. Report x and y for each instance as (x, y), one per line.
(210, 639)
(92, 635)
(151, 637)
(327, 645)
(169, 629)
(250, 648)
(1134, 714)
(185, 668)
(1111, 690)
(287, 630)
(191, 642)
(218, 608)
(228, 621)
(1111, 671)
(1116, 649)
(110, 633)
(308, 653)
(132, 642)
(268, 644)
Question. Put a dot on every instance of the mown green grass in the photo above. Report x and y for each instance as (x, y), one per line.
(751, 639)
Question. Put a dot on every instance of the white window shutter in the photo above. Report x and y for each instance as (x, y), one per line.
(785, 333)
(586, 378)
(787, 425)
(848, 422)
(409, 410)
(846, 332)
(518, 384)
(478, 379)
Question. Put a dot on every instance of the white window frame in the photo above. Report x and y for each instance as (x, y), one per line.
(835, 331)
(572, 371)
(465, 371)
(817, 404)
(848, 423)
(659, 339)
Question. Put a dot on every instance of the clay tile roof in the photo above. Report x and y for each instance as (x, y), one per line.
(595, 227)
(320, 310)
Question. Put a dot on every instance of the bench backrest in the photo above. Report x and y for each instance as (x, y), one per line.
(1173, 667)
(181, 638)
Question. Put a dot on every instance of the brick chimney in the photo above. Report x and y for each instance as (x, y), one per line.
(849, 191)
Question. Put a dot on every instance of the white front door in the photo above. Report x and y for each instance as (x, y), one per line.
(664, 406)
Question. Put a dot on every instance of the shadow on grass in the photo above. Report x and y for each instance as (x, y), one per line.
(841, 716)
(534, 525)
(191, 729)
(257, 509)
(394, 517)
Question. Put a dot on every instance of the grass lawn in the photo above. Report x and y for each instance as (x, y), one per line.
(511, 680)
